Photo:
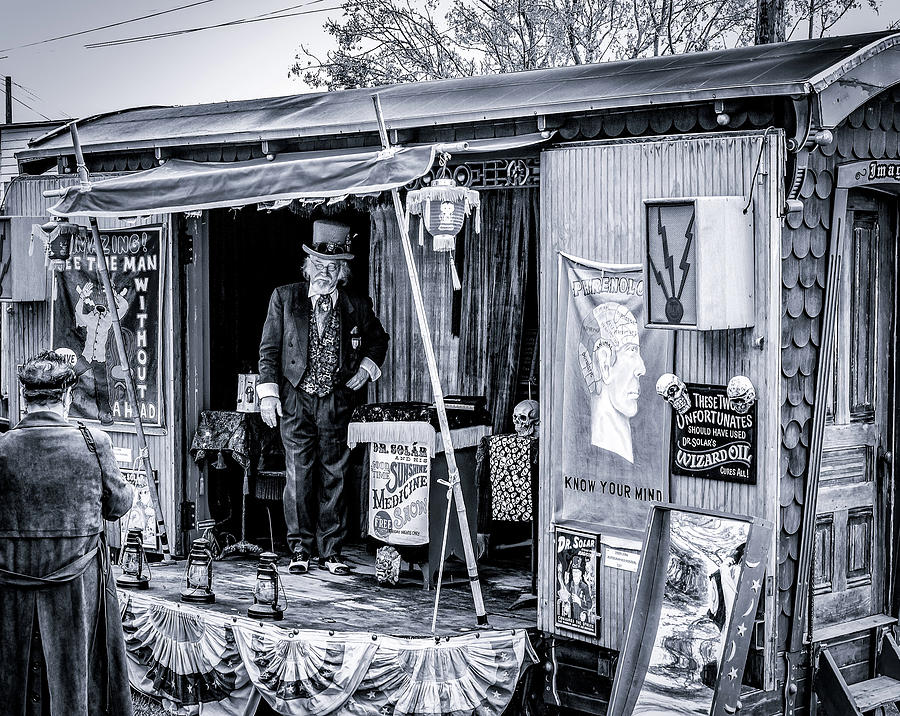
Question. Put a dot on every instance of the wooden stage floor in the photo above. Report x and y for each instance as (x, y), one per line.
(320, 600)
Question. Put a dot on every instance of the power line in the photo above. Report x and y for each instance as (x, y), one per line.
(185, 31)
(31, 92)
(29, 107)
(106, 27)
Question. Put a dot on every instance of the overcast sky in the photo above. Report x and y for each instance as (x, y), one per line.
(63, 78)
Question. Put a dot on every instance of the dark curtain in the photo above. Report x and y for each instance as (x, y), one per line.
(484, 358)
(494, 278)
(405, 372)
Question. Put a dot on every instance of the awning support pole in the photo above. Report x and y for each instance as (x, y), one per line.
(425, 332)
(123, 355)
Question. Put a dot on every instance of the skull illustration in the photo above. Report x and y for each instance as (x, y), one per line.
(673, 390)
(526, 418)
(741, 393)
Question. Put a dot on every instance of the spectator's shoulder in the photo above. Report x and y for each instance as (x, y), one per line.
(100, 436)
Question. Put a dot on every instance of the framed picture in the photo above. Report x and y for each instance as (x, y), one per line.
(693, 615)
(576, 581)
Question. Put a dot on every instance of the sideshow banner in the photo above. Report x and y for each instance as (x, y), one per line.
(712, 439)
(576, 582)
(82, 325)
(610, 449)
(141, 516)
(399, 479)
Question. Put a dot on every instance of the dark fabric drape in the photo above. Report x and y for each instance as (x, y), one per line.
(495, 272)
(405, 372)
(483, 360)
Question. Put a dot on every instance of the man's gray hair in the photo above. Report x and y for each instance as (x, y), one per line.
(343, 270)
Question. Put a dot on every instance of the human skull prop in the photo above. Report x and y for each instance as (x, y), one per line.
(741, 394)
(673, 390)
(526, 418)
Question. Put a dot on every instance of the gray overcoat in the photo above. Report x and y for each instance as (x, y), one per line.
(54, 493)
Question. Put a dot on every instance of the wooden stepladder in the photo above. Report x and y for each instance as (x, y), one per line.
(842, 699)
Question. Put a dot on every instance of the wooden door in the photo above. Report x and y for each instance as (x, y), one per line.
(851, 541)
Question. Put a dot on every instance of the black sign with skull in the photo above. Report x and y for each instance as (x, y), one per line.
(715, 437)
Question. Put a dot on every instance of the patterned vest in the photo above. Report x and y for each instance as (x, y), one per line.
(322, 355)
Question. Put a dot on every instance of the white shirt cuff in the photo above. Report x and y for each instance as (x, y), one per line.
(267, 390)
(368, 365)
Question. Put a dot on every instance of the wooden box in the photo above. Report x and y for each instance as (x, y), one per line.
(699, 263)
(23, 273)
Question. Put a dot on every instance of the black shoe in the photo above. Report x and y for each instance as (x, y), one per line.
(336, 565)
(299, 562)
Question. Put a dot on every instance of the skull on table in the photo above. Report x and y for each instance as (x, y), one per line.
(526, 418)
(741, 394)
(673, 390)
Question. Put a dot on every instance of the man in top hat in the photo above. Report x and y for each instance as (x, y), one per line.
(320, 344)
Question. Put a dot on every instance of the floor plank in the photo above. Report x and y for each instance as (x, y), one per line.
(320, 600)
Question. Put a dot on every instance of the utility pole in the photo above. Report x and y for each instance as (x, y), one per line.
(769, 21)
(8, 99)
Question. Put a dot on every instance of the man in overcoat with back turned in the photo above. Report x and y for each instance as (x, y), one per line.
(61, 645)
(320, 344)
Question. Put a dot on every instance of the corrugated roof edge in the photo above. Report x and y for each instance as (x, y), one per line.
(620, 100)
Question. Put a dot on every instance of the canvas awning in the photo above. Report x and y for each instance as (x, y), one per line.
(180, 185)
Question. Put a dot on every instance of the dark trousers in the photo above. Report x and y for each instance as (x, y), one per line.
(314, 433)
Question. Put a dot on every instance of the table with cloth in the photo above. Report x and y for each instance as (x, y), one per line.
(246, 440)
(416, 424)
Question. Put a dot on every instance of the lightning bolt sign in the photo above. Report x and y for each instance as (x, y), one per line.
(667, 256)
(659, 278)
(685, 265)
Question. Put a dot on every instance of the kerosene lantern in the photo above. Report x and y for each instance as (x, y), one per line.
(198, 574)
(268, 592)
(132, 562)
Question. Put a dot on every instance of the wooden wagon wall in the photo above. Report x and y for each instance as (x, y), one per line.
(871, 132)
(595, 190)
(26, 331)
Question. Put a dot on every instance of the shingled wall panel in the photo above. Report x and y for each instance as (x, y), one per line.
(870, 132)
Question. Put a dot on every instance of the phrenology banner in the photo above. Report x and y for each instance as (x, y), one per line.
(609, 428)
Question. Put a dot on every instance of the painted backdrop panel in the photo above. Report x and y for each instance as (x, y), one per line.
(609, 462)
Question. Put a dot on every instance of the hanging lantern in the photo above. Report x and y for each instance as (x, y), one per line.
(443, 207)
(59, 235)
(198, 574)
(268, 592)
(132, 562)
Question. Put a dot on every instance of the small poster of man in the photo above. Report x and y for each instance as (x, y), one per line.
(141, 516)
(576, 581)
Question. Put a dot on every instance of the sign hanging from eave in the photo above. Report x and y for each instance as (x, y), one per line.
(180, 185)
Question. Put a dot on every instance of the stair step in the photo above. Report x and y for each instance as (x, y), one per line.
(837, 631)
(875, 692)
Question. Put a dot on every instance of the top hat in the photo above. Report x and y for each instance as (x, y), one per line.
(331, 240)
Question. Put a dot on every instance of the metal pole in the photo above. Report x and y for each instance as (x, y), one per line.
(425, 332)
(8, 89)
(123, 355)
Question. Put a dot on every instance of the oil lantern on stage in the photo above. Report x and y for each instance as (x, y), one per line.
(443, 207)
(268, 592)
(132, 562)
(198, 574)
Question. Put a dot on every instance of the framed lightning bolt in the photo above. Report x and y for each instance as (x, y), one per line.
(699, 263)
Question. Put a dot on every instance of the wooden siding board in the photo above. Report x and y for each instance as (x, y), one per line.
(602, 186)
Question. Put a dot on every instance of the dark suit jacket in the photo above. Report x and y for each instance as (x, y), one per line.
(285, 338)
